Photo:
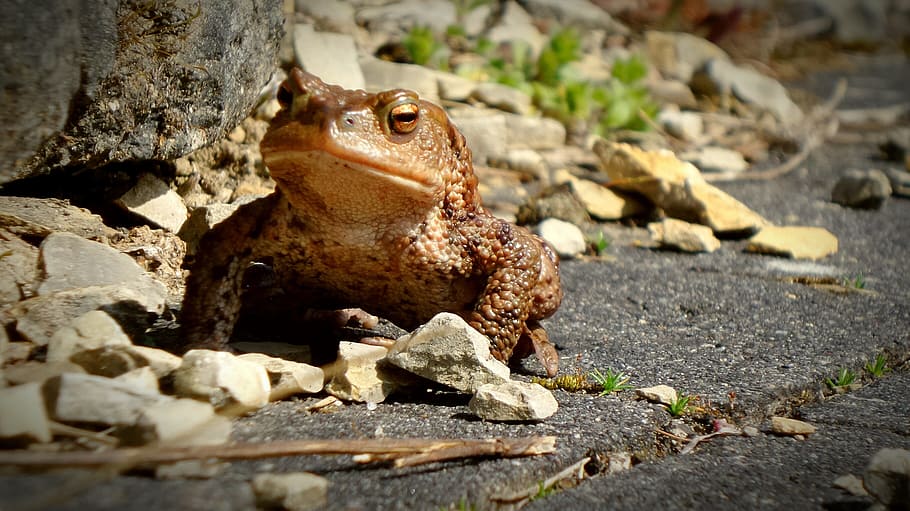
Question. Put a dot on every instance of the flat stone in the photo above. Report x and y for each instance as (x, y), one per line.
(85, 398)
(177, 422)
(29, 423)
(850, 484)
(18, 267)
(790, 427)
(575, 13)
(862, 189)
(222, 379)
(534, 132)
(720, 76)
(794, 241)
(900, 180)
(661, 394)
(502, 97)
(381, 75)
(68, 262)
(565, 237)
(603, 203)
(675, 186)
(513, 401)
(152, 199)
(714, 159)
(686, 126)
(90, 331)
(288, 378)
(526, 161)
(295, 491)
(141, 377)
(678, 55)
(449, 351)
(453, 87)
(330, 56)
(330, 15)
(358, 375)
(161, 362)
(28, 216)
(683, 236)
(406, 14)
(887, 477)
(294, 352)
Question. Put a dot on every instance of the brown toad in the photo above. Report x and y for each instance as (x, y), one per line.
(376, 208)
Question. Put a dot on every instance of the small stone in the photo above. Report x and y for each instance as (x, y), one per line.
(618, 462)
(449, 351)
(202, 220)
(294, 352)
(526, 161)
(603, 203)
(534, 132)
(14, 352)
(575, 13)
(502, 97)
(851, 484)
(332, 57)
(453, 87)
(661, 394)
(678, 55)
(683, 236)
(18, 267)
(177, 422)
(673, 92)
(38, 318)
(161, 362)
(513, 401)
(484, 130)
(862, 189)
(675, 186)
(152, 199)
(190, 469)
(359, 376)
(566, 238)
(713, 159)
(887, 477)
(288, 378)
(751, 431)
(33, 371)
(109, 361)
(791, 427)
(686, 126)
(295, 491)
(900, 181)
(96, 400)
(222, 379)
(141, 378)
(330, 15)
(794, 242)
(90, 331)
(23, 417)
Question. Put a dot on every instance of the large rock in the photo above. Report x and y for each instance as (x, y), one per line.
(93, 330)
(128, 81)
(28, 216)
(796, 242)
(675, 186)
(222, 379)
(513, 401)
(330, 56)
(887, 478)
(85, 398)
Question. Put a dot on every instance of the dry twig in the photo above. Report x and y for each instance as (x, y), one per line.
(575, 470)
(405, 452)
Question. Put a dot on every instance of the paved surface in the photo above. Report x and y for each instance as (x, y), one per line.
(707, 324)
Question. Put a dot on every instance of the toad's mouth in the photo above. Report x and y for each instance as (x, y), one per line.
(301, 164)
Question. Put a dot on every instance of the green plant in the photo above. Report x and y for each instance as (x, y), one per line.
(461, 505)
(878, 367)
(844, 378)
(857, 282)
(679, 407)
(425, 48)
(611, 381)
(543, 491)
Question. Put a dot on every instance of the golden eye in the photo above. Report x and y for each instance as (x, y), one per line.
(403, 117)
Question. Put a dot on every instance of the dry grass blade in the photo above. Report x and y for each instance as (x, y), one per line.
(413, 451)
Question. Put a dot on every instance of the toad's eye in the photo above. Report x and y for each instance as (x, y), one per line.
(403, 117)
(285, 95)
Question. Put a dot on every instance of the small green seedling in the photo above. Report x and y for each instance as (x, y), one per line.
(878, 367)
(543, 491)
(611, 381)
(679, 407)
(844, 378)
(600, 244)
(462, 505)
(857, 282)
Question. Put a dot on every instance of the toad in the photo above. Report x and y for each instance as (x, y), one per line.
(376, 209)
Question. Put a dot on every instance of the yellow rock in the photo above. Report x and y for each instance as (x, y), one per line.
(794, 241)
